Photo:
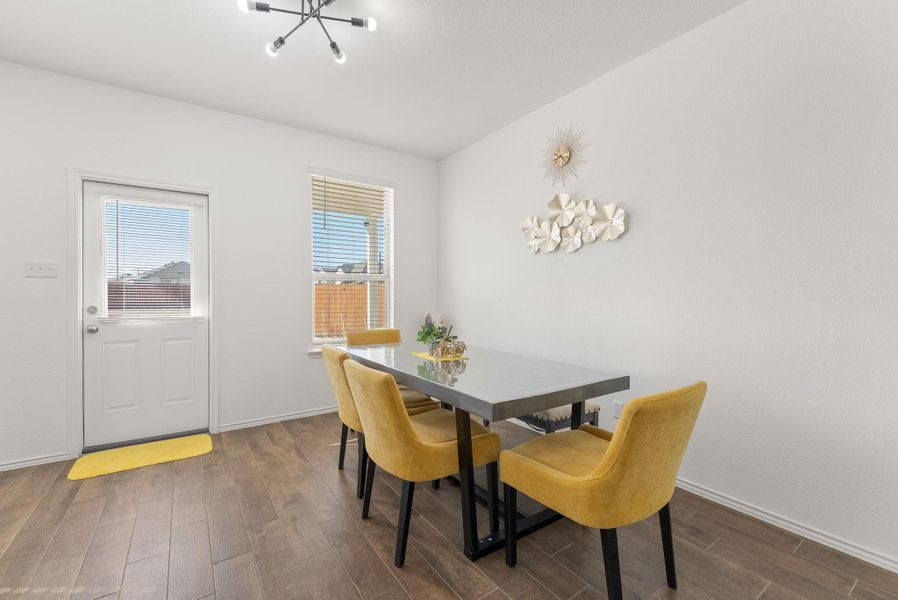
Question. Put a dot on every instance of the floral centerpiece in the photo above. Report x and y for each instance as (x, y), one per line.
(441, 344)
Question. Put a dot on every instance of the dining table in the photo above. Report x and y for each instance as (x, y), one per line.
(493, 385)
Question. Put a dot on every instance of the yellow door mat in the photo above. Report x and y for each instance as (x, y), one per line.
(141, 455)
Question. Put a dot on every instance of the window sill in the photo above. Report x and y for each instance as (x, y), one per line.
(314, 350)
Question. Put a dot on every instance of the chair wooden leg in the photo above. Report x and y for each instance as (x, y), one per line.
(344, 433)
(363, 462)
(667, 543)
(405, 517)
(492, 479)
(369, 486)
(511, 526)
(435, 484)
(612, 564)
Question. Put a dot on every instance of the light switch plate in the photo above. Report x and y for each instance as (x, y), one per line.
(618, 408)
(40, 268)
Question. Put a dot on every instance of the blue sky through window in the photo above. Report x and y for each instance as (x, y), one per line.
(342, 238)
(144, 237)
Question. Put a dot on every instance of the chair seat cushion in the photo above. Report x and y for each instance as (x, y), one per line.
(410, 396)
(574, 453)
(423, 408)
(416, 402)
(436, 429)
(438, 426)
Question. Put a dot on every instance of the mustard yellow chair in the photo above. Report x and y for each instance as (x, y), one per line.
(380, 337)
(421, 447)
(606, 480)
(333, 360)
(373, 337)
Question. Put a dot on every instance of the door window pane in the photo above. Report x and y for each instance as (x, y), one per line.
(148, 256)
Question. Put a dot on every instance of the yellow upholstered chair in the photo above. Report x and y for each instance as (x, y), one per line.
(380, 337)
(333, 360)
(373, 337)
(606, 480)
(419, 447)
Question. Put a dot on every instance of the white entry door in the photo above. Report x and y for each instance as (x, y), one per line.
(145, 324)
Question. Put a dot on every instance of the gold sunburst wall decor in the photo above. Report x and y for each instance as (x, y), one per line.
(563, 154)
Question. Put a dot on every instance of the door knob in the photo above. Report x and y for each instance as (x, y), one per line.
(92, 329)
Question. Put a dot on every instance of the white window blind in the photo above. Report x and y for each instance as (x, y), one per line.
(147, 255)
(351, 257)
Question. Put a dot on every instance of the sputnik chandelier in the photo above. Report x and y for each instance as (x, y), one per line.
(310, 10)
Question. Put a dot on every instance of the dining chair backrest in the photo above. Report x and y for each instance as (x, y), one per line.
(373, 337)
(334, 360)
(390, 439)
(641, 463)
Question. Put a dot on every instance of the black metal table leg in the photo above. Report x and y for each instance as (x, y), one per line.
(466, 479)
(492, 476)
(475, 547)
(576, 415)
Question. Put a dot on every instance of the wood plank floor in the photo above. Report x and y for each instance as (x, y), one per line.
(268, 515)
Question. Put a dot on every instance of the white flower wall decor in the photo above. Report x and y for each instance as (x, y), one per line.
(562, 210)
(548, 236)
(571, 238)
(529, 226)
(610, 223)
(584, 213)
(572, 224)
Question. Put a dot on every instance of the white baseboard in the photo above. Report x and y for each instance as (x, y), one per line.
(836, 543)
(37, 460)
(274, 419)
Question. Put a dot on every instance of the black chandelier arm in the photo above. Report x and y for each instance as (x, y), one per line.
(324, 29)
(302, 14)
(306, 17)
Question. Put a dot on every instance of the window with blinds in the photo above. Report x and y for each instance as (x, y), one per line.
(351, 257)
(148, 252)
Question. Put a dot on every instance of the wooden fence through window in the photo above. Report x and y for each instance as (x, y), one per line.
(344, 307)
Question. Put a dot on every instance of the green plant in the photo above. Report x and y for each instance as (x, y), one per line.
(429, 332)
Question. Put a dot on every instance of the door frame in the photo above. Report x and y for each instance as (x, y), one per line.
(74, 299)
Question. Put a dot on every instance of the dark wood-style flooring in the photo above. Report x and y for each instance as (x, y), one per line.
(268, 515)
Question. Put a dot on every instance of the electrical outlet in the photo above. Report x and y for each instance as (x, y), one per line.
(618, 407)
(37, 268)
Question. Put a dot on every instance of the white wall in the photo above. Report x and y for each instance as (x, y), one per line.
(260, 230)
(757, 157)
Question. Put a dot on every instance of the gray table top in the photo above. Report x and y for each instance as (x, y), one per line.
(491, 384)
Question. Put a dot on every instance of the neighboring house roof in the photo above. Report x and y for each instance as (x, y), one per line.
(356, 267)
(172, 270)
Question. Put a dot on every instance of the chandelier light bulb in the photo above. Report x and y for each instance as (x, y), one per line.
(371, 23)
(271, 50)
(339, 56)
(245, 6)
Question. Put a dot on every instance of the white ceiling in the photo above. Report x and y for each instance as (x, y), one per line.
(435, 76)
